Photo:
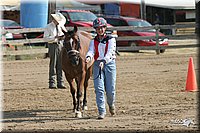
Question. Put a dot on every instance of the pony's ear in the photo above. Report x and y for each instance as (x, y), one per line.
(64, 31)
(75, 28)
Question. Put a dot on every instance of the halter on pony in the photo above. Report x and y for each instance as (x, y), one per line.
(72, 46)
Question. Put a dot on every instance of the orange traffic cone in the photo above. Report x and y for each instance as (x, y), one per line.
(191, 83)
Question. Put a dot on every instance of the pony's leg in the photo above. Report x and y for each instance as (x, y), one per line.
(79, 94)
(85, 95)
(80, 85)
(87, 77)
(78, 113)
(73, 92)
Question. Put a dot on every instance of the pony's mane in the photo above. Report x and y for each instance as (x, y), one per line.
(85, 34)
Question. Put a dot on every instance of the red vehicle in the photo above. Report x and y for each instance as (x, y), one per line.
(10, 24)
(129, 21)
(82, 18)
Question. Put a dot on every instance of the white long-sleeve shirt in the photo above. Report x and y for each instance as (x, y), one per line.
(50, 32)
(110, 55)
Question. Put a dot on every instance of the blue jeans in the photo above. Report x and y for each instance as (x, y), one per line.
(105, 83)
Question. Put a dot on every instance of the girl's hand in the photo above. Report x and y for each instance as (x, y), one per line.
(101, 64)
(87, 59)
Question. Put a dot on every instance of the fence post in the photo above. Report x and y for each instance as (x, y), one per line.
(197, 6)
(157, 39)
(17, 57)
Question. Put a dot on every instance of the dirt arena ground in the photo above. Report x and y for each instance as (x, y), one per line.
(150, 96)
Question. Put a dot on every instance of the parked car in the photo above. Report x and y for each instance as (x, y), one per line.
(10, 24)
(82, 18)
(129, 21)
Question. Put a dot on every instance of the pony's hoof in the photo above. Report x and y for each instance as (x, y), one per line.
(85, 108)
(78, 114)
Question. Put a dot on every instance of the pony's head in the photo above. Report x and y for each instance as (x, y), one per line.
(72, 46)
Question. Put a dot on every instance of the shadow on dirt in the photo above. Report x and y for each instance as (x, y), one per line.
(40, 116)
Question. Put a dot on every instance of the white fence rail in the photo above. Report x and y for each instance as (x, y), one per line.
(157, 48)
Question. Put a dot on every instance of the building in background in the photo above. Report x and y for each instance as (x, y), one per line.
(11, 9)
(169, 11)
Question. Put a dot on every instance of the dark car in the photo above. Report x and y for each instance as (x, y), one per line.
(10, 24)
(129, 21)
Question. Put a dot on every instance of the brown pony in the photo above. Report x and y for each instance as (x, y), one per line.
(76, 44)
